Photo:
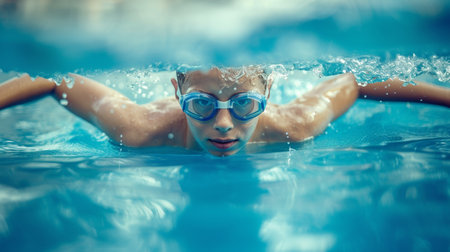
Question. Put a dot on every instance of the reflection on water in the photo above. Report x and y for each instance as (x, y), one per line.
(366, 199)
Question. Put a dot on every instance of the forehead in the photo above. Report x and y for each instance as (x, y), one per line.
(226, 82)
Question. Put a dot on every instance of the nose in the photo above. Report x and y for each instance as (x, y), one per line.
(223, 121)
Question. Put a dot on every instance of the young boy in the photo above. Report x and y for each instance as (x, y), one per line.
(218, 111)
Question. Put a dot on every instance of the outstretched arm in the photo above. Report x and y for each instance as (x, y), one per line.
(121, 119)
(23, 89)
(310, 114)
(395, 90)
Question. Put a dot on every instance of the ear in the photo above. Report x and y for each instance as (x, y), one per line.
(175, 86)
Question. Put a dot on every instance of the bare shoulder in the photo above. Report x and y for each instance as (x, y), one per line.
(293, 122)
(309, 114)
(160, 123)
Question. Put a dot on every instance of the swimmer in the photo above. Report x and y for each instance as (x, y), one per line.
(215, 111)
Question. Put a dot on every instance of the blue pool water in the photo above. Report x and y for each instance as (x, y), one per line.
(376, 180)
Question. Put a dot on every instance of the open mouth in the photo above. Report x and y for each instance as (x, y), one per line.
(223, 143)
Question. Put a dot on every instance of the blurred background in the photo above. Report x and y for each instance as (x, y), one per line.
(63, 35)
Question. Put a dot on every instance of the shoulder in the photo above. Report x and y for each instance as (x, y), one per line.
(309, 114)
(160, 123)
(293, 122)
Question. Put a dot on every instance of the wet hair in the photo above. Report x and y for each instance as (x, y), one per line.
(261, 74)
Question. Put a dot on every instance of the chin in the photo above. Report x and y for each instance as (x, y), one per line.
(223, 153)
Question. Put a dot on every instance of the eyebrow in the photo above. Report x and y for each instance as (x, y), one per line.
(201, 91)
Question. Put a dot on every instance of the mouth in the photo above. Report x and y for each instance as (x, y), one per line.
(223, 143)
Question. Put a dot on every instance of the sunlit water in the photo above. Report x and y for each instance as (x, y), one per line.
(376, 180)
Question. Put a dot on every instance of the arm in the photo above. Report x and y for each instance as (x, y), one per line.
(105, 108)
(394, 90)
(22, 89)
(121, 119)
(309, 115)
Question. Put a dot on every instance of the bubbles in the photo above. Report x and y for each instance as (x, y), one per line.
(170, 136)
(58, 79)
(63, 102)
(69, 80)
(121, 142)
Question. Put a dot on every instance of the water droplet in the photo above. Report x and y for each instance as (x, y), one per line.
(108, 82)
(69, 81)
(81, 81)
(64, 95)
(170, 136)
(63, 102)
(124, 106)
(111, 111)
(387, 93)
(235, 88)
(57, 83)
(365, 96)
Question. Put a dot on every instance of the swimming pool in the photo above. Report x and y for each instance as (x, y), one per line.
(376, 180)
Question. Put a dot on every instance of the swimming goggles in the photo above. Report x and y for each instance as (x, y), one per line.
(203, 107)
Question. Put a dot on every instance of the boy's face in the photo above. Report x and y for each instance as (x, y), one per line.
(223, 134)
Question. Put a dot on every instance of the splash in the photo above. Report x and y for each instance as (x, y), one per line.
(369, 69)
(290, 79)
